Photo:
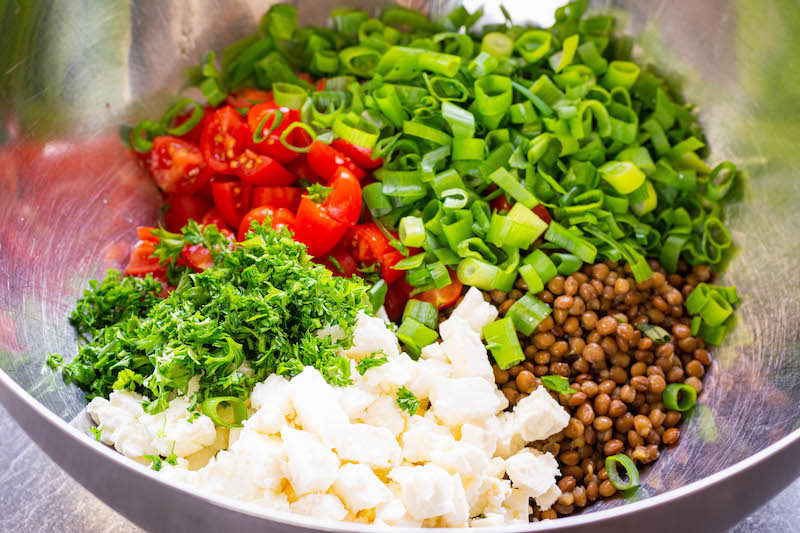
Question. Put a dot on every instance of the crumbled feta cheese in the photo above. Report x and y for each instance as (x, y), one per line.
(316, 405)
(459, 516)
(428, 371)
(371, 335)
(119, 427)
(374, 446)
(398, 372)
(517, 507)
(461, 458)
(465, 350)
(384, 412)
(179, 431)
(355, 401)
(320, 505)
(423, 437)
(546, 500)
(427, 491)
(538, 415)
(277, 501)
(489, 520)
(483, 436)
(433, 351)
(359, 488)
(462, 400)
(531, 471)
(312, 467)
(335, 332)
(263, 457)
(475, 310)
(227, 474)
(394, 512)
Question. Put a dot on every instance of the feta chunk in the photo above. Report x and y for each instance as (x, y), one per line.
(459, 516)
(546, 500)
(355, 401)
(320, 505)
(465, 350)
(489, 520)
(509, 441)
(316, 405)
(178, 430)
(538, 416)
(385, 413)
(428, 371)
(427, 491)
(483, 436)
(475, 310)
(359, 488)
(517, 507)
(462, 400)
(433, 351)
(119, 427)
(399, 371)
(226, 474)
(461, 458)
(271, 401)
(263, 459)
(312, 467)
(374, 446)
(394, 512)
(371, 335)
(423, 437)
(277, 501)
(532, 472)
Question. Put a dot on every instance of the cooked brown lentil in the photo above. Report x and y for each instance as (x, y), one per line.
(618, 373)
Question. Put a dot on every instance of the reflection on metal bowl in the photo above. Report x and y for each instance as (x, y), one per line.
(70, 195)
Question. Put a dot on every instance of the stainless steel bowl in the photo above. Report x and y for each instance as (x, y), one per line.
(70, 196)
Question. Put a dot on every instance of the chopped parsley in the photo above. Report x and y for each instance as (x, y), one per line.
(559, 384)
(55, 360)
(376, 359)
(407, 401)
(97, 431)
(261, 302)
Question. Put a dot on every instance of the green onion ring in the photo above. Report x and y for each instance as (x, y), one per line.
(210, 406)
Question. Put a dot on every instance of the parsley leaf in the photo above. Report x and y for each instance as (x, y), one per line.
(376, 359)
(318, 193)
(407, 401)
(559, 384)
(262, 302)
(55, 360)
(155, 462)
(97, 431)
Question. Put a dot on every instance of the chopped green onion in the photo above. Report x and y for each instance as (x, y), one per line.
(280, 21)
(620, 74)
(377, 202)
(288, 131)
(544, 266)
(412, 231)
(410, 263)
(558, 384)
(210, 408)
(566, 264)
(513, 187)
(423, 312)
(259, 134)
(360, 60)
(624, 176)
(533, 45)
(583, 249)
(499, 45)
(531, 278)
(377, 295)
(483, 64)
(461, 121)
(501, 340)
(679, 397)
(468, 149)
(656, 333)
(561, 59)
(444, 64)
(528, 312)
(440, 274)
(613, 462)
(428, 133)
(362, 133)
(415, 336)
(457, 227)
(480, 274)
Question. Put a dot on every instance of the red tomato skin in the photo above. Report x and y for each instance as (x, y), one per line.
(145, 233)
(177, 166)
(224, 139)
(361, 156)
(195, 134)
(263, 171)
(303, 171)
(272, 146)
(321, 84)
(213, 216)
(232, 200)
(368, 243)
(325, 160)
(389, 274)
(247, 97)
(142, 261)
(198, 256)
(279, 218)
(286, 197)
(345, 260)
(316, 229)
(344, 202)
(501, 203)
(184, 207)
(542, 212)
(396, 298)
(445, 297)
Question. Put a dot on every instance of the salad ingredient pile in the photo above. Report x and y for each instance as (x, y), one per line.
(408, 443)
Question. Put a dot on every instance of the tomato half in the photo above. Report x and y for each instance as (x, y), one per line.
(389, 274)
(445, 297)
(279, 218)
(257, 169)
(368, 243)
(232, 200)
(142, 261)
(344, 201)
(182, 208)
(315, 228)
(272, 145)
(224, 140)
(177, 166)
(326, 160)
(247, 97)
(286, 197)
(361, 156)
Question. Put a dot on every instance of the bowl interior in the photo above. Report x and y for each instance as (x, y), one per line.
(71, 193)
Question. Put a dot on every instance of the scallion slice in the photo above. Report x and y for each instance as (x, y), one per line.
(211, 408)
(679, 397)
(613, 462)
(501, 340)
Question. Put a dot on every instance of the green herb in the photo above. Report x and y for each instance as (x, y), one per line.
(558, 384)
(318, 192)
(407, 401)
(55, 360)
(155, 462)
(656, 333)
(376, 359)
(262, 302)
(97, 431)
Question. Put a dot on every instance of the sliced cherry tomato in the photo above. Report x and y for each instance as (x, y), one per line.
(368, 243)
(257, 169)
(232, 200)
(326, 160)
(177, 166)
(272, 145)
(445, 297)
(247, 97)
(182, 208)
(214, 217)
(361, 156)
(344, 202)
(286, 197)
(195, 134)
(279, 218)
(145, 233)
(389, 274)
(225, 138)
(316, 228)
(198, 256)
(142, 261)
(339, 262)
(303, 171)
(501, 203)
(542, 212)
(396, 298)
